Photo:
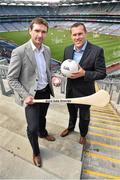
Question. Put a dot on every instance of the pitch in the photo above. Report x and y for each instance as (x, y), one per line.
(58, 39)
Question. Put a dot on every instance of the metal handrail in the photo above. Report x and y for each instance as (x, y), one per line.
(3, 75)
(112, 85)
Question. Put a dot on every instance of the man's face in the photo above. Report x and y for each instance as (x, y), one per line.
(38, 34)
(78, 36)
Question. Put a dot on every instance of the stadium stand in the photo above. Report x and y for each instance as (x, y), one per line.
(100, 17)
(104, 13)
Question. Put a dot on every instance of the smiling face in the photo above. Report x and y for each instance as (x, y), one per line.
(78, 36)
(38, 33)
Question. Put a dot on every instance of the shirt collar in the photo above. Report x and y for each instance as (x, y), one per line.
(81, 49)
(36, 49)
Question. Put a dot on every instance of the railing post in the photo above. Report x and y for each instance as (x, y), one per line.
(63, 85)
(118, 99)
(3, 75)
(2, 85)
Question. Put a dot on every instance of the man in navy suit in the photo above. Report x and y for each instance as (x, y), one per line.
(91, 62)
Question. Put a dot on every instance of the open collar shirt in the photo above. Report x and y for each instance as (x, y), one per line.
(41, 66)
(78, 53)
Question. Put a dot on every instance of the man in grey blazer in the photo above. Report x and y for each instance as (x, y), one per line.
(91, 62)
(30, 77)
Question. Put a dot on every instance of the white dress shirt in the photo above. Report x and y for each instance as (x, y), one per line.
(41, 65)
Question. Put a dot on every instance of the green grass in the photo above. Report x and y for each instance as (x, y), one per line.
(58, 39)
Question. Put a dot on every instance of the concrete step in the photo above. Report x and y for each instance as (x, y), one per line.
(68, 145)
(109, 170)
(13, 126)
(106, 148)
(14, 167)
(91, 174)
(101, 157)
(17, 123)
(57, 129)
(104, 131)
(111, 165)
(107, 109)
(106, 115)
(58, 115)
(9, 108)
(106, 125)
(53, 162)
(106, 121)
(106, 139)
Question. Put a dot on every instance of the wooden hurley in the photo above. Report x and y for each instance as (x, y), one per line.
(99, 99)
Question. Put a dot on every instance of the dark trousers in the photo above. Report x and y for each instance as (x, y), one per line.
(84, 118)
(36, 119)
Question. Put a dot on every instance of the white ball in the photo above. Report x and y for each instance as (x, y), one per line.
(68, 67)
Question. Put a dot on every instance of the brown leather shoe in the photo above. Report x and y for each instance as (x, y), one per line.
(37, 161)
(49, 138)
(82, 140)
(66, 132)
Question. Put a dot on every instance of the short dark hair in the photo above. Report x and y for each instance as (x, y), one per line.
(78, 24)
(38, 20)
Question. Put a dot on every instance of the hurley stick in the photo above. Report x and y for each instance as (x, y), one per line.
(100, 99)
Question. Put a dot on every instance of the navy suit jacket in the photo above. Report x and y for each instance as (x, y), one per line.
(93, 63)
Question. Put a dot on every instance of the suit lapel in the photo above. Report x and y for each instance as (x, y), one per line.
(30, 55)
(86, 53)
(71, 52)
(46, 56)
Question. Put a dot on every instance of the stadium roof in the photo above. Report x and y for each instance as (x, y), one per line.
(77, 2)
(27, 2)
(59, 2)
(49, 1)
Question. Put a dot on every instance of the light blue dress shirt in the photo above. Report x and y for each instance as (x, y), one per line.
(79, 53)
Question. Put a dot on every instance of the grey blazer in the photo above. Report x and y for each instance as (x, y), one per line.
(23, 73)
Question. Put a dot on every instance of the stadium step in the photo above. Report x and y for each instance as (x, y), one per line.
(56, 156)
(13, 166)
(102, 146)
(101, 155)
(66, 145)
(53, 162)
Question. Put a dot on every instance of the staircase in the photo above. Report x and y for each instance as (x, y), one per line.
(101, 155)
(65, 158)
(61, 159)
